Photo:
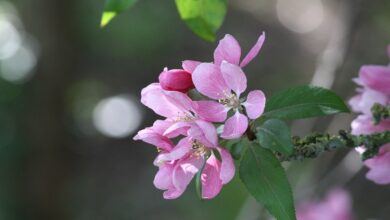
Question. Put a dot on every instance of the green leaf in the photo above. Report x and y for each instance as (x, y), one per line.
(304, 102)
(114, 7)
(203, 17)
(265, 179)
(275, 135)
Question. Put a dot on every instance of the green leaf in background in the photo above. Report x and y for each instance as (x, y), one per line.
(203, 17)
(275, 135)
(112, 8)
(265, 179)
(304, 102)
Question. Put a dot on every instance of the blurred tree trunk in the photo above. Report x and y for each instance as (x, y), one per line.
(48, 161)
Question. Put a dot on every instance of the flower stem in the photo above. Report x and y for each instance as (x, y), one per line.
(313, 145)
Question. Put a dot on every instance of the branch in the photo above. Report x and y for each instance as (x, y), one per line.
(314, 144)
(380, 112)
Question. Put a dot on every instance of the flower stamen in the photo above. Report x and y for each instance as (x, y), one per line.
(198, 149)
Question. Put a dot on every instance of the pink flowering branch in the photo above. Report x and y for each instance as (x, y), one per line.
(209, 119)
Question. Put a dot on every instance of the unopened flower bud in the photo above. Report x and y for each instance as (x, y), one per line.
(176, 80)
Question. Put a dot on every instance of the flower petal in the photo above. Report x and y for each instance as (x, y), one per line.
(154, 135)
(363, 124)
(354, 102)
(208, 81)
(379, 168)
(190, 65)
(163, 178)
(179, 151)
(185, 170)
(173, 193)
(208, 133)
(149, 136)
(255, 104)
(254, 51)
(165, 103)
(211, 183)
(227, 166)
(234, 77)
(228, 49)
(368, 99)
(235, 126)
(376, 77)
(178, 128)
(210, 111)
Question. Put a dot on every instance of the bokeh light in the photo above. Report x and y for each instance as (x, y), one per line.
(10, 39)
(19, 67)
(301, 16)
(117, 116)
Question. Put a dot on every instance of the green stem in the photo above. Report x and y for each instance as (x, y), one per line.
(313, 145)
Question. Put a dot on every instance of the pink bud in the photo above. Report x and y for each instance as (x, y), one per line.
(176, 80)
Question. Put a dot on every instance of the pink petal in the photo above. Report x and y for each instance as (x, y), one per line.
(150, 87)
(379, 168)
(234, 77)
(235, 126)
(254, 51)
(149, 136)
(369, 98)
(255, 104)
(209, 133)
(228, 49)
(211, 183)
(363, 124)
(173, 193)
(190, 65)
(208, 81)
(210, 111)
(227, 166)
(153, 135)
(354, 102)
(165, 103)
(185, 170)
(179, 151)
(163, 178)
(178, 128)
(376, 77)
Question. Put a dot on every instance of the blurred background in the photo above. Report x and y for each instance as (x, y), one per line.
(69, 102)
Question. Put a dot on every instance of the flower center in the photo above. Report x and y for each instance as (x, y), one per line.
(231, 101)
(183, 117)
(198, 149)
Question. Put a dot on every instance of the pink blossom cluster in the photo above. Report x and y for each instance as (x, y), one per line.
(336, 206)
(193, 122)
(374, 82)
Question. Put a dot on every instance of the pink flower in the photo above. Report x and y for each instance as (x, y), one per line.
(380, 164)
(154, 135)
(376, 78)
(225, 81)
(375, 82)
(184, 116)
(178, 167)
(176, 80)
(336, 206)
